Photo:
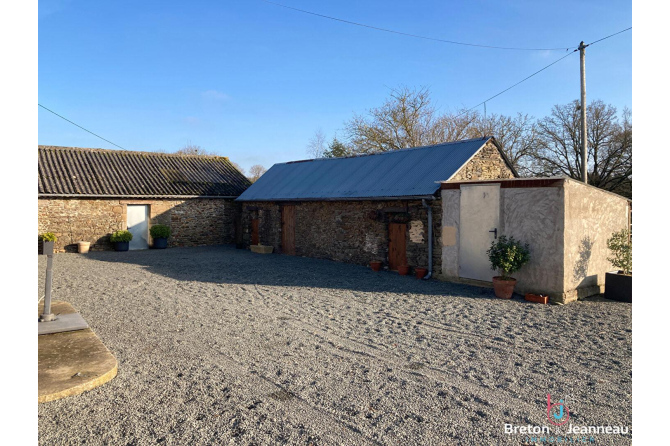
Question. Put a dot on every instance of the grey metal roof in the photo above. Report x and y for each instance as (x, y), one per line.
(400, 173)
(72, 171)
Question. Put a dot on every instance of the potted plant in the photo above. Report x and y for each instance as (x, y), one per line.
(619, 284)
(47, 241)
(507, 255)
(121, 240)
(376, 265)
(160, 234)
(403, 270)
(420, 272)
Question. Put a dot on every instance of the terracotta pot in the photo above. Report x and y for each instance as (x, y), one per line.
(376, 265)
(83, 247)
(403, 270)
(538, 298)
(420, 272)
(503, 288)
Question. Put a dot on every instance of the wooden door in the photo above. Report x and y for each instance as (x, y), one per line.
(397, 251)
(254, 232)
(288, 230)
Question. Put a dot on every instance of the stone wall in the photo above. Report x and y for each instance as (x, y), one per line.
(487, 164)
(349, 231)
(194, 222)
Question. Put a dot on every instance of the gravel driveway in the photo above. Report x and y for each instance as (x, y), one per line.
(218, 345)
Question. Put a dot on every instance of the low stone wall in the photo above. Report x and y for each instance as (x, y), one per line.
(349, 231)
(194, 221)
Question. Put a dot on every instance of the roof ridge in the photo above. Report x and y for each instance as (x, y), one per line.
(142, 152)
(483, 138)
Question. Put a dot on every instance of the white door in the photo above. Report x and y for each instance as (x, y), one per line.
(480, 217)
(138, 225)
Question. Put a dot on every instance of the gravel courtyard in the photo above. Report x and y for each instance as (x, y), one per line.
(222, 346)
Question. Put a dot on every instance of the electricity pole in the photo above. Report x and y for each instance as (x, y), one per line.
(582, 66)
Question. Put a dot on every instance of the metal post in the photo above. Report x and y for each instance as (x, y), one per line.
(47, 315)
(582, 61)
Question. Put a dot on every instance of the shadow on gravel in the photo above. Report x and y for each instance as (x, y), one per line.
(225, 264)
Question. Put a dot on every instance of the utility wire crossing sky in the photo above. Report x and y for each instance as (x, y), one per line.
(458, 43)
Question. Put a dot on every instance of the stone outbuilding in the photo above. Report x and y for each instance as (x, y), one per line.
(384, 206)
(565, 223)
(87, 194)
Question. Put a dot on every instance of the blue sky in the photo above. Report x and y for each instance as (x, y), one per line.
(253, 81)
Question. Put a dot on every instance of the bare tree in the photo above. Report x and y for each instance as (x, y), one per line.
(192, 149)
(517, 136)
(238, 167)
(610, 144)
(316, 146)
(255, 172)
(404, 120)
(454, 126)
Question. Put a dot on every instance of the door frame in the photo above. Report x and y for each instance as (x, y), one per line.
(473, 262)
(402, 247)
(147, 217)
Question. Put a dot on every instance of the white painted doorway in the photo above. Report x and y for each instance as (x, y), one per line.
(479, 226)
(138, 225)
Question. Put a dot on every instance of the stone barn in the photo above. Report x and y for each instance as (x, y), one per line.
(384, 206)
(86, 194)
(565, 223)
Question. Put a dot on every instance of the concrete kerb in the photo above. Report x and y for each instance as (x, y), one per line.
(72, 362)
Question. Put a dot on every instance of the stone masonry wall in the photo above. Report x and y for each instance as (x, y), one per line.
(487, 164)
(194, 222)
(349, 231)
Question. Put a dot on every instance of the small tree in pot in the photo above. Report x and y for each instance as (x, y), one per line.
(507, 255)
(121, 240)
(47, 241)
(160, 234)
(619, 284)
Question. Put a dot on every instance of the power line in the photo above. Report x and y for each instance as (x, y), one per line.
(74, 123)
(521, 81)
(541, 70)
(415, 35)
(611, 35)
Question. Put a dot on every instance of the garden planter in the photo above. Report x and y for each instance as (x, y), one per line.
(619, 286)
(261, 249)
(160, 243)
(420, 272)
(403, 270)
(121, 246)
(376, 265)
(46, 248)
(538, 298)
(83, 247)
(503, 288)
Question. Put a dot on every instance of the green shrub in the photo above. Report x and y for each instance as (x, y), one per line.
(508, 256)
(622, 251)
(160, 231)
(121, 236)
(48, 237)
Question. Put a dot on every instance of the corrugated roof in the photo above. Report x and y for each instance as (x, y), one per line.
(400, 173)
(80, 172)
